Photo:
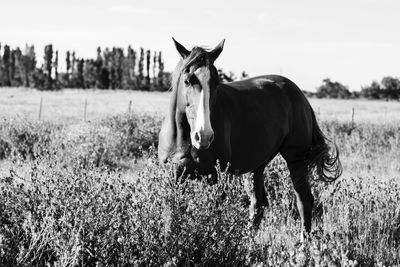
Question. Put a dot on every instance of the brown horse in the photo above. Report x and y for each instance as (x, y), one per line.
(246, 124)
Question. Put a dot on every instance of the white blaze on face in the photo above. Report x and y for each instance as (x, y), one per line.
(203, 133)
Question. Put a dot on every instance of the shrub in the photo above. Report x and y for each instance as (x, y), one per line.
(66, 215)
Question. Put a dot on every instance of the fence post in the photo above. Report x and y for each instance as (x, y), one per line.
(85, 110)
(130, 106)
(352, 117)
(40, 108)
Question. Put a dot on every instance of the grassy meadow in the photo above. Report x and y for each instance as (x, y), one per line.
(69, 105)
(92, 193)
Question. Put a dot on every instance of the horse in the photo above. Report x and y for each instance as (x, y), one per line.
(244, 125)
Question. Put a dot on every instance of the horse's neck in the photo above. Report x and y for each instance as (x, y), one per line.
(227, 105)
(227, 121)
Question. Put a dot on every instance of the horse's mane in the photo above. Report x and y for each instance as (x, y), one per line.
(198, 55)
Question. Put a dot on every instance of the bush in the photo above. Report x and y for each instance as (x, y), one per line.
(66, 215)
(102, 142)
(26, 139)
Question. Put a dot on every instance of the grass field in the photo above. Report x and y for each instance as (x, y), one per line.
(76, 193)
(69, 105)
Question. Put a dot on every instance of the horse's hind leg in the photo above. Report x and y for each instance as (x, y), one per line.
(259, 198)
(305, 200)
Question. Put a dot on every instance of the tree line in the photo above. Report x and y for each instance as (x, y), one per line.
(116, 68)
(113, 68)
(387, 89)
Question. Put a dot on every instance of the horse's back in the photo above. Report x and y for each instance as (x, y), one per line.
(277, 92)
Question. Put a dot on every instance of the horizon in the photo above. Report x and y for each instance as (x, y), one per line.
(353, 42)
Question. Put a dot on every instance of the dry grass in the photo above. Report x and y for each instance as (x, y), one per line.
(68, 105)
(371, 111)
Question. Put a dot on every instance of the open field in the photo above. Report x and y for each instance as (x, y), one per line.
(69, 105)
(75, 193)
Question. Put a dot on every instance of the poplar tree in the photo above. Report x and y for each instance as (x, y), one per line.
(106, 70)
(68, 67)
(160, 71)
(17, 67)
(113, 69)
(154, 68)
(68, 61)
(56, 67)
(90, 73)
(99, 69)
(141, 67)
(132, 61)
(79, 69)
(1, 68)
(12, 68)
(128, 80)
(73, 63)
(29, 62)
(148, 53)
(118, 66)
(48, 59)
(6, 66)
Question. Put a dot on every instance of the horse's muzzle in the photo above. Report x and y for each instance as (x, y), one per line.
(202, 140)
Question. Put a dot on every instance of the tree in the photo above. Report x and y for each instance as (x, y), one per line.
(6, 66)
(73, 63)
(48, 59)
(106, 70)
(118, 64)
(224, 78)
(17, 68)
(154, 67)
(12, 67)
(56, 67)
(79, 69)
(161, 80)
(98, 64)
(148, 54)
(373, 91)
(391, 87)
(68, 62)
(332, 90)
(141, 67)
(1, 64)
(132, 61)
(128, 81)
(29, 63)
(90, 73)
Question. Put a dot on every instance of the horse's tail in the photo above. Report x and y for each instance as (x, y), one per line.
(324, 155)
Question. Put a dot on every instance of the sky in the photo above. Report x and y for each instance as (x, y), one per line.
(353, 41)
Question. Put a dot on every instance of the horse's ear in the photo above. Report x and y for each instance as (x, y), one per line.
(181, 49)
(217, 50)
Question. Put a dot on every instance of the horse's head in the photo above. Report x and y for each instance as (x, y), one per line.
(197, 85)
(187, 132)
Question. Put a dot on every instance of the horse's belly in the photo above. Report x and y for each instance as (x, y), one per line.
(256, 148)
